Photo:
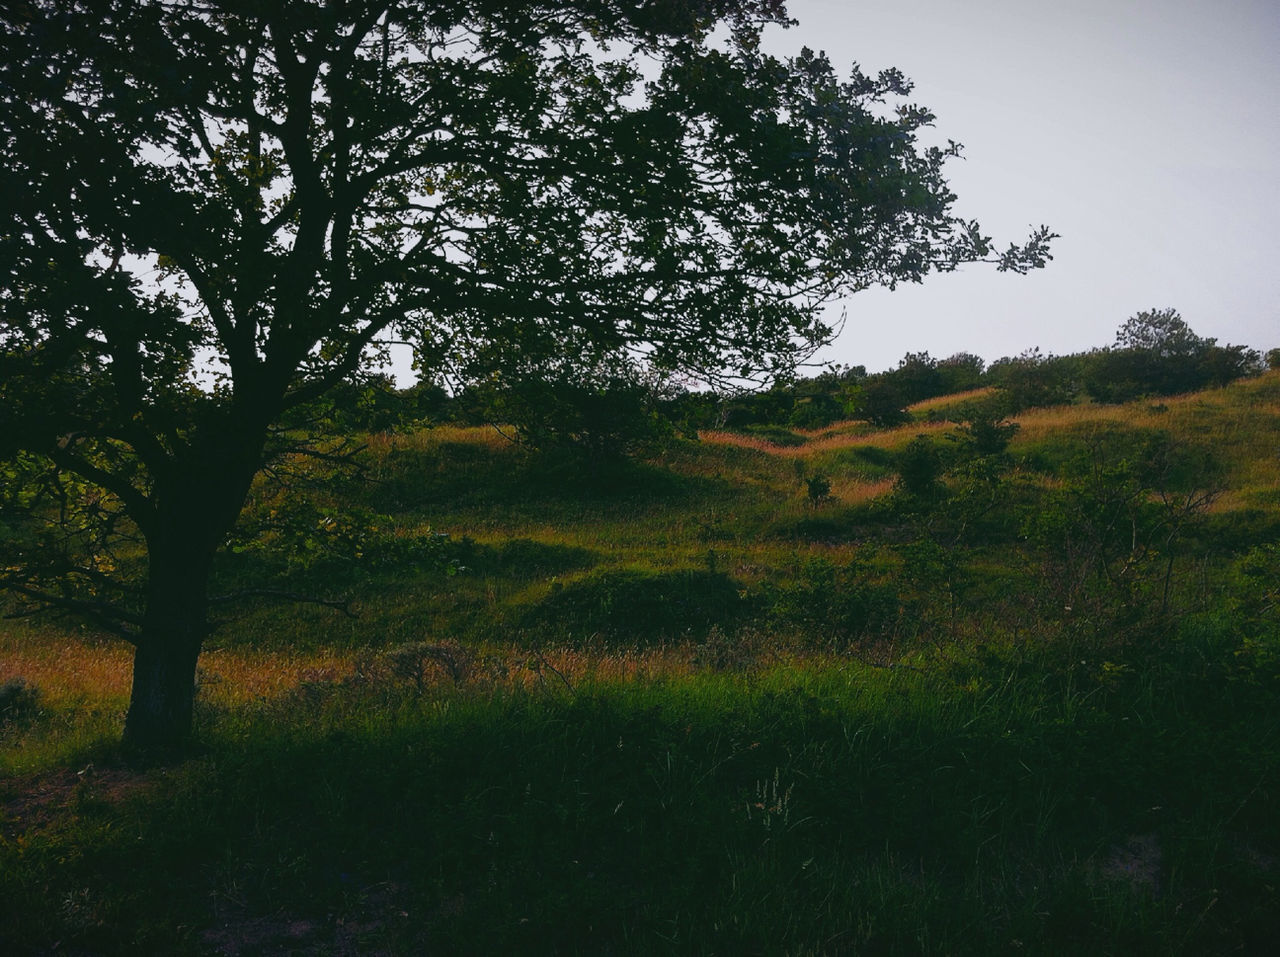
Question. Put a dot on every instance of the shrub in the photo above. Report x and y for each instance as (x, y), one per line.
(19, 702)
(985, 432)
(829, 602)
(818, 489)
(418, 660)
(741, 650)
(775, 434)
(920, 469)
(640, 605)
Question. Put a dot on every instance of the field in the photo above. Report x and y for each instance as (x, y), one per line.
(854, 691)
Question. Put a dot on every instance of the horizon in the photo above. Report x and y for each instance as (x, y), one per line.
(1143, 133)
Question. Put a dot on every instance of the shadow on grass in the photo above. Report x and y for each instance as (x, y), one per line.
(873, 811)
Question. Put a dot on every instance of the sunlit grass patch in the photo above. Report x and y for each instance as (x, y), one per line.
(856, 491)
(67, 667)
(824, 440)
(939, 403)
(239, 676)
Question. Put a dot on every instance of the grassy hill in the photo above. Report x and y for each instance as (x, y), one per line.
(930, 689)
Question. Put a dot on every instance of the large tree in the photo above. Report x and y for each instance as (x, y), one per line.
(217, 210)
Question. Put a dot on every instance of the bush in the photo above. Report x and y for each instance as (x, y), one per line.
(418, 661)
(640, 605)
(19, 702)
(829, 602)
(920, 469)
(775, 435)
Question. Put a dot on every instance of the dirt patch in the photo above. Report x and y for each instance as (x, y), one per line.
(377, 919)
(35, 802)
(1137, 862)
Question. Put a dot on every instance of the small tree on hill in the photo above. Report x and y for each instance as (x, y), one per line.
(1156, 353)
(217, 211)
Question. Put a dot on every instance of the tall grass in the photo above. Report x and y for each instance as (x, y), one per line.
(988, 804)
(882, 736)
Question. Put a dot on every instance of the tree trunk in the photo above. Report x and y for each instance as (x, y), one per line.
(174, 627)
(197, 502)
(160, 705)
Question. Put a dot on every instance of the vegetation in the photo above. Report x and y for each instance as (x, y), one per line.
(993, 689)
(222, 212)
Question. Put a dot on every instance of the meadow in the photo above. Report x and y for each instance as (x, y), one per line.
(924, 689)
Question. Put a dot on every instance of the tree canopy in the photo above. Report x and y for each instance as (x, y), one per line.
(217, 211)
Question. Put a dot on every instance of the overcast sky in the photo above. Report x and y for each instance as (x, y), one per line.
(1146, 132)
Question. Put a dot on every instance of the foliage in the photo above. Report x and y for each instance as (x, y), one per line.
(828, 604)
(1114, 528)
(1032, 380)
(818, 489)
(878, 400)
(888, 700)
(984, 433)
(223, 212)
(605, 412)
(1156, 353)
(638, 606)
(19, 702)
(920, 469)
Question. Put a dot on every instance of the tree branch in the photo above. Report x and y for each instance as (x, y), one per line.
(342, 606)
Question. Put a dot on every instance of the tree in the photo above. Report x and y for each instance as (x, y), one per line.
(1156, 353)
(219, 211)
(1161, 332)
(960, 373)
(1031, 380)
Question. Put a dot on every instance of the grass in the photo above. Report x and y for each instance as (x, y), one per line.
(675, 707)
(809, 807)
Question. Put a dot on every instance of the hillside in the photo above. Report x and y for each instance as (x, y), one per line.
(951, 686)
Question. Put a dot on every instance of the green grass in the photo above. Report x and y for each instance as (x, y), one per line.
(965, 806)
(690, 712)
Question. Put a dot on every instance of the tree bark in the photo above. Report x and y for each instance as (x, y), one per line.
(173, 630)
(163, 695)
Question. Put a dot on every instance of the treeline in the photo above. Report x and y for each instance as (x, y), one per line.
(1155, 354)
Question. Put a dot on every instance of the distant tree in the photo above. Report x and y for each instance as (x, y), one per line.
(917, 377)
(1033, 379)
(1157, 353)
(960, 373)
(216, 212)
(1220, 365)
(920, 469)
(599, 411)
(1160, 332)
(817, 402)
(879, 400)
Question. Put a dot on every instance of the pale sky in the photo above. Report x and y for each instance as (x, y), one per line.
(1146, 132)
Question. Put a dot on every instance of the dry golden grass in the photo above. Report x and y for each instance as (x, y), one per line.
(1037, 423)
(883, 439)
(834, 437)
(69, 670)
(946, 401)
(65, 668)
(855, 491)
(239, 676)
(428, 438)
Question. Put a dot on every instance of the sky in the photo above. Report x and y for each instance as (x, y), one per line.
(1145, 132)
